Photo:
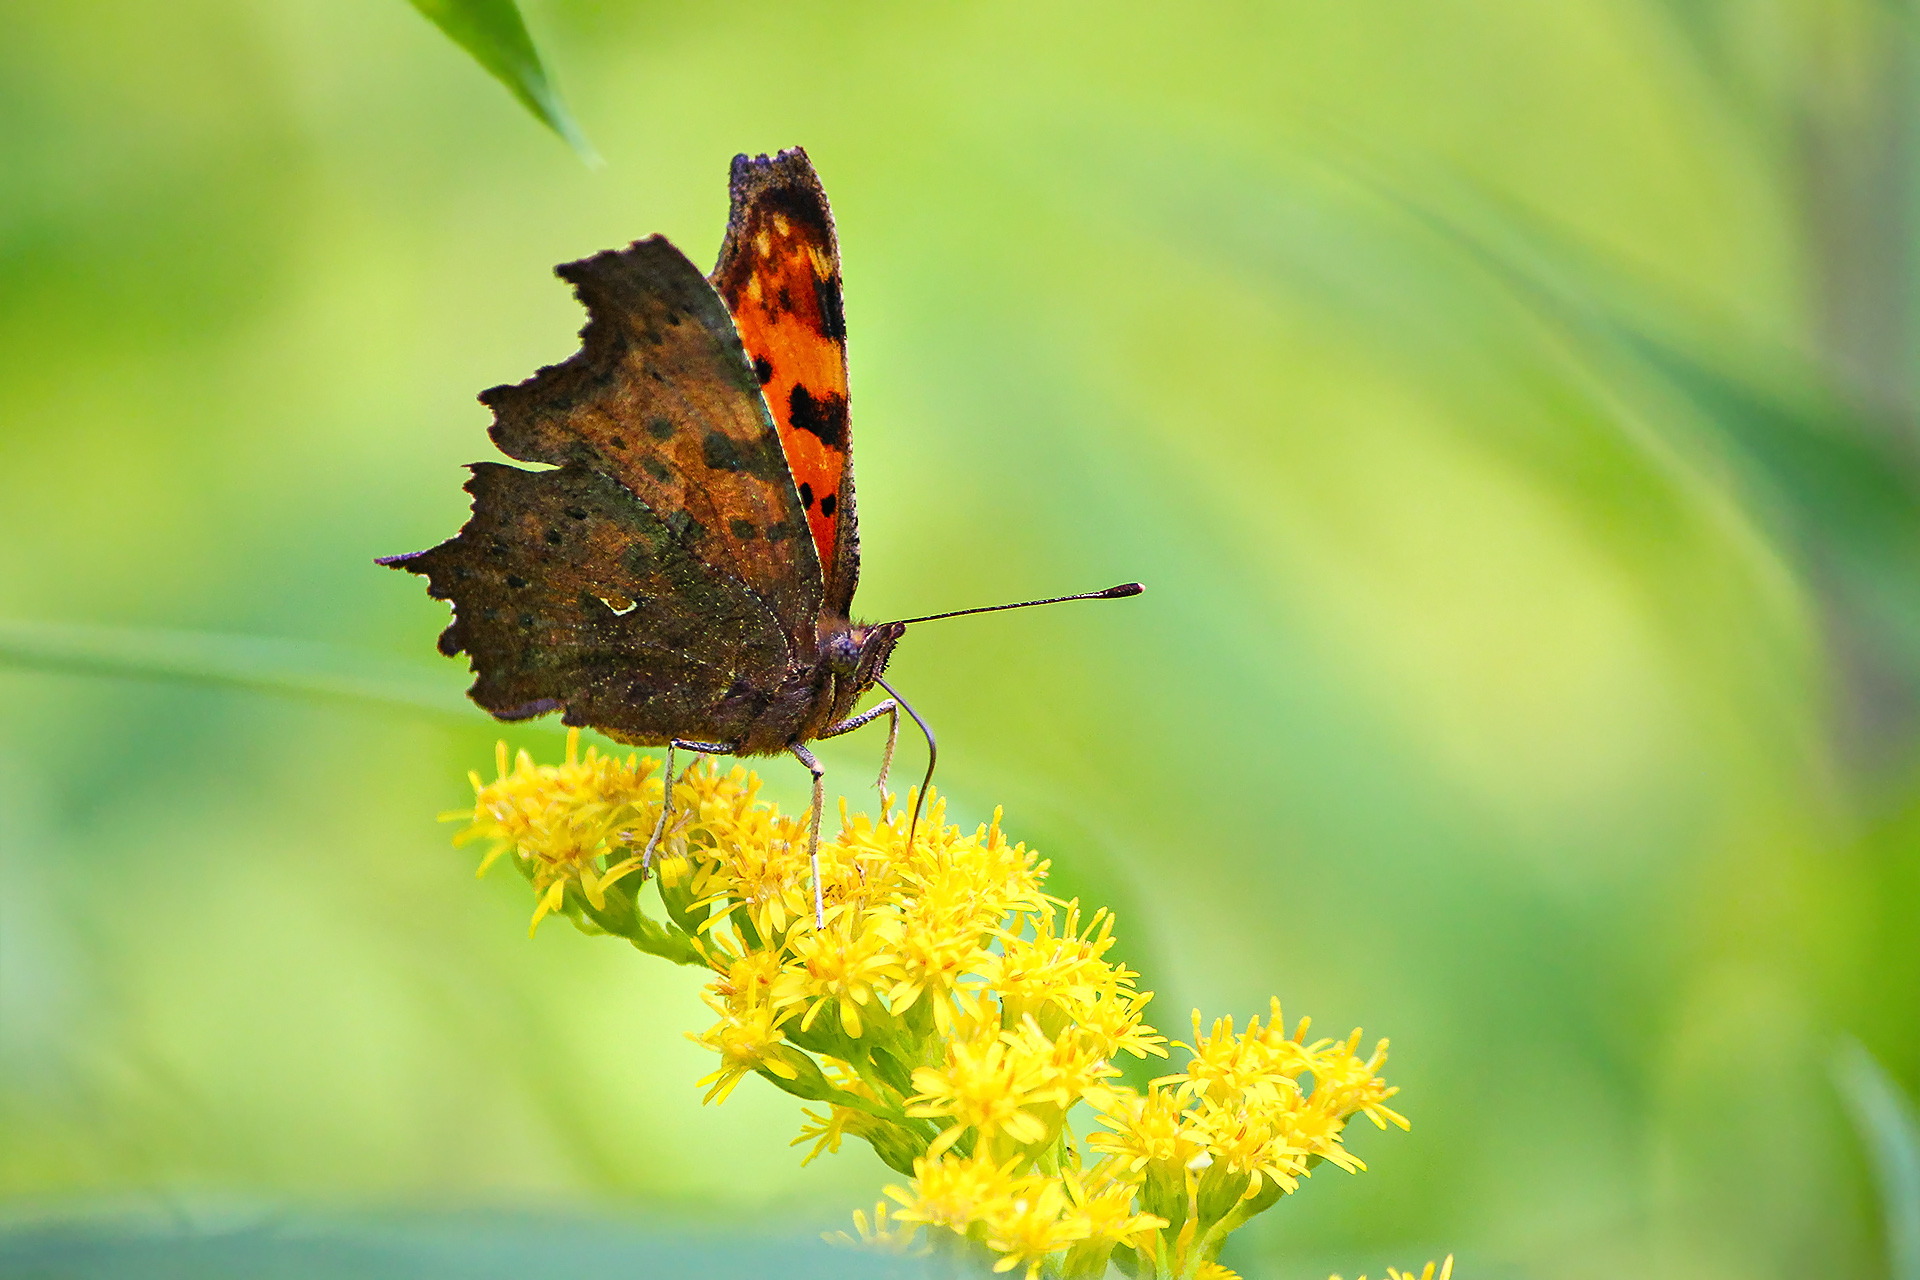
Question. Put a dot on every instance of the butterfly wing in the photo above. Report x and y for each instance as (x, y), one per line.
(663, 568)
(661, 398)
(570, 594)
(779, 274)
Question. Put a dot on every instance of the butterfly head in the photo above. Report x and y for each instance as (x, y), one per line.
(857, 653)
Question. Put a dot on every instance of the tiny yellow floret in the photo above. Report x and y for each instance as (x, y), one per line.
(1426, 1273)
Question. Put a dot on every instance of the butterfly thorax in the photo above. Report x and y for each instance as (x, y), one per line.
(850, 657)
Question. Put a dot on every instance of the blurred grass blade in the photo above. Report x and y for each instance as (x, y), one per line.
(1888, 1129)
(254, 662)
(1834, 479)
(497, 37)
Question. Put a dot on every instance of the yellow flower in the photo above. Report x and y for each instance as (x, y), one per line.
(1344, 1084)
(839, 966)
(1148, 1129)
(739, 849)
(1075, 1064)
(987, 1085)
(1056, 972)
(1112, 1020)
(826, 1132)
(747, 1038)
(956, 1193)
(1253, 1140)
(982, 869)
(942, 941)
(1249, 1098)
(571, 824)
(1106, 1210)
(1033, 1224)
(1394, 1273)
(1256, 1063)
(744, 981)
(1025, 1218)
(886, 1233)
(947, 1012)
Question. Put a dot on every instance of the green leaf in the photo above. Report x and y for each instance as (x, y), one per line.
(255, 662)
(495, 34)
(1884, 1118)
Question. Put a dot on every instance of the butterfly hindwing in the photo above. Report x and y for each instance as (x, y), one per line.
(779, 274)
(570, 594)
(662, 400)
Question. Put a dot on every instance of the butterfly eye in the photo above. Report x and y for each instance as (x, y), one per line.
(842, 650)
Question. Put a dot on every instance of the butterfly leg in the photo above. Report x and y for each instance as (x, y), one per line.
(889, 709)
(666, 789)
(812, 762)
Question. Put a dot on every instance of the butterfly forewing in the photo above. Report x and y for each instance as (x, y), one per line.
(661, 399)
(779, 274)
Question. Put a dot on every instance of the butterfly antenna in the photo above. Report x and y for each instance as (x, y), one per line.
(933, 754)
(1120, 592)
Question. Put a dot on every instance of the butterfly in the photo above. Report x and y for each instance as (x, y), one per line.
(681, 570)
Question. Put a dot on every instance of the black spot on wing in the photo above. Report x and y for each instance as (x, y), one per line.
(827, 504)
(684, 528)
(743, 530)
(833, 315)
(806, 496)
(723, 453)
(763, 369)
(825, 417)
(660, 428)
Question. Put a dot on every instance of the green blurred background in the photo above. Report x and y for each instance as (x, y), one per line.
(1510, 407)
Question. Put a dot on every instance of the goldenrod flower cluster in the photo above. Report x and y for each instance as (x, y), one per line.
(948, 1012)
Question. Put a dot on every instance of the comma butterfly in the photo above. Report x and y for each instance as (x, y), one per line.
(682, 570)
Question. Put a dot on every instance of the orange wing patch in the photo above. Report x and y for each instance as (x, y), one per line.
(779, 274)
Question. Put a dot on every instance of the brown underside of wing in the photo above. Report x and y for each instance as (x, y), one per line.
(779, 274)
(661, 398)
(571, 594)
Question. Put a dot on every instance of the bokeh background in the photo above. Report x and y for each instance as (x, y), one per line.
(1510, 407)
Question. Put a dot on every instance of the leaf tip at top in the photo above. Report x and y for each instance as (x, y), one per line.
(496, 36)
